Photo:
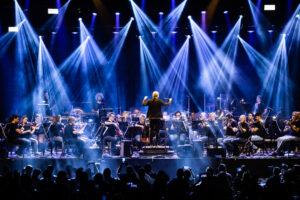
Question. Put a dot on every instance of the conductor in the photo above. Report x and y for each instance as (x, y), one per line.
(154, 114)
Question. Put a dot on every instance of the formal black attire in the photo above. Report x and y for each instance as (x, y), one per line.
(155, 114)
(13, 138)
(73, 139)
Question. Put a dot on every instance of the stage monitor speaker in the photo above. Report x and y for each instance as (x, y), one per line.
(126, 148)
(216, 151)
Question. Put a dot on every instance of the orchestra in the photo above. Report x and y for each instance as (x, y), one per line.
(237, 134)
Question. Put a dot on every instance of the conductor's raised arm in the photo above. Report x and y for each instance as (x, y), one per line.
(145, 103)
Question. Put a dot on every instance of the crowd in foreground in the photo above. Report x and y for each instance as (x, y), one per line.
(136, 182)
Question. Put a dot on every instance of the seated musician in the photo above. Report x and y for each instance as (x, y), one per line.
(141, 122)
(211, 126)
(27, 133)
(41, 133)
(231, 130)
(292, 135)
(244, 129)
(113, 132)
(141, 132)
(71, 136)
(250, 119)
(124, 121)
(126, 116)
(244, 134)
(56, 130)
(258, 129)
(178, 130)
(13, 133)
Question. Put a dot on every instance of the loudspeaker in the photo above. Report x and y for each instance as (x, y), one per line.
(126, 148)
(212, 152)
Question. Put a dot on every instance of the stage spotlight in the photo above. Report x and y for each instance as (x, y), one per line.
(283, 35)
(160, 13)
(298, 16)
(13, 29)
(226, 12)
(40, 37)
(241, 16)
(117, 13)
(115, 32)
(188, 36)
(269, 7)
(214, 31)
(270, 31)
(53, 11)
(189, 17)
(153, 33)
(95, 14)
(174, 32)
(203, 12)
(250, 31)
(74, 33)
(53, 33)
(80, 19)
(140, 37)
(131, 18)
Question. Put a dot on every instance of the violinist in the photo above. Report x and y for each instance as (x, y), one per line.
(113, 132)
(293, 135)
(41, 133)
(27, 131)
(72, 136)
(13, 133)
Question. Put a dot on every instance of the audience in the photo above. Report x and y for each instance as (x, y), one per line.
(143, 183)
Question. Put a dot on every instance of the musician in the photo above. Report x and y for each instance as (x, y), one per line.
(136, 113)
(141, 122)
(27, 133)
(211, 126)
(113, 132)
(13, 132)
(293, 135)
(244, 129)
(250, 119)
(49, 104)
(124, 121)
(178, 129)
(56, 131)
(99, 106)
(258, 129)
(259, 107)
(72, 136)
(141, 131)
(41, 133)
(231, 130)
(242, 135)
(126, 116)
(154, 113)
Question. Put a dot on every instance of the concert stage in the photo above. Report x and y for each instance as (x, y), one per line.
(257, 164)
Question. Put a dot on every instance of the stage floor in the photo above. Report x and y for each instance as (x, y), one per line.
(169, 163)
